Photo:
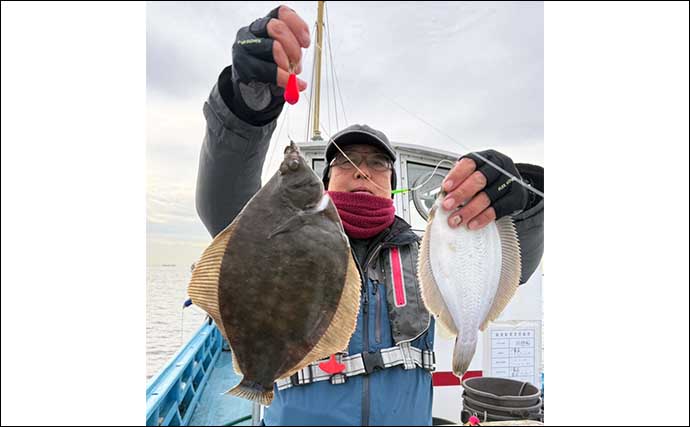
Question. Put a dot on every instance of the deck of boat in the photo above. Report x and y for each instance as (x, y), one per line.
(216, 408)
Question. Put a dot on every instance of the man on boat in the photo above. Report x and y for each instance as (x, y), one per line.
(392, 346)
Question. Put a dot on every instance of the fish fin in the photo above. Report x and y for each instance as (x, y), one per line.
(343, 324)
(252, 391)
(463, 354)
(203, 286)
(289, 225)
(431, 295)
(444, 331)
(236, 364)
(510, 269)
(323, 203)
(298, 219)
(332, 214)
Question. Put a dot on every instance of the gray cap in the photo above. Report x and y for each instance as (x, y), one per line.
(359, 134)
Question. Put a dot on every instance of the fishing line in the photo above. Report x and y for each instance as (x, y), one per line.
(405, 190)
(512, 177)
(350, 160)
(287, 113)
(328, 95)
(333, 68)
(182, 327)
(494, 165)
(394, 192)
(311, 86)
(276, 141)
(330, 139)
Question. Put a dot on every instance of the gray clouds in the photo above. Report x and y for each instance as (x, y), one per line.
(473, 69)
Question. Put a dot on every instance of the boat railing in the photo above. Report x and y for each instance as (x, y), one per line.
(173, 394)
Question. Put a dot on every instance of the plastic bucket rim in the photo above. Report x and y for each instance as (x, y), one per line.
(467, 386)
(507, 409)
(491, 417)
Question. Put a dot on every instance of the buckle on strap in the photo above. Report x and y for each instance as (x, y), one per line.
(429, 360)
(311, 374)
(338, 379)
(372, 361)
(364, 363)
(408, 359)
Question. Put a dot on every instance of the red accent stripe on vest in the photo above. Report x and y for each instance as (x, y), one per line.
(446, 378)
(398, 279)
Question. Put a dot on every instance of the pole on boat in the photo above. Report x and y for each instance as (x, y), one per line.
(316, 134)
(256, 414)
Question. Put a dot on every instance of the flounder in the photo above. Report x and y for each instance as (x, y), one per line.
(467, 277)
(279, 281)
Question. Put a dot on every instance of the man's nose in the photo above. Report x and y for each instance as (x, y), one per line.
(365, 172)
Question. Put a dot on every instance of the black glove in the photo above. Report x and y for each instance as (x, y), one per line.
(248, 87)
(507, 197)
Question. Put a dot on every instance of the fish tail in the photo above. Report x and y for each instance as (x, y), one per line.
(462, 355)
(253, 391)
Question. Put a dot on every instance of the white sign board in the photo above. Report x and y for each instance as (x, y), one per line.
(512, 349)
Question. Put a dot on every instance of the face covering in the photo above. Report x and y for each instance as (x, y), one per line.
(363, 215)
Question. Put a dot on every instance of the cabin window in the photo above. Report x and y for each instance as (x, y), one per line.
(318, 165)
(423, 199)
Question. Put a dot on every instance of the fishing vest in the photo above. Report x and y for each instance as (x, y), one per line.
(392, 262)
(396, 266)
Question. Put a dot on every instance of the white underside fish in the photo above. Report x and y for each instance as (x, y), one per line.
(467, 277)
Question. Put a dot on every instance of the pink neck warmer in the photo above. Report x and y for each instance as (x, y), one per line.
(363, 215)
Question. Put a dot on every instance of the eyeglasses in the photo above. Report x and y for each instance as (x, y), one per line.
(376, 161)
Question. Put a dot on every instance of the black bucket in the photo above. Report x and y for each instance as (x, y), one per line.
(502, 392)
(502, 399)
(485, 416)
(502, 411)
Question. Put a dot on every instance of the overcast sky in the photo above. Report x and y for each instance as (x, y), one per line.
(474, 70)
